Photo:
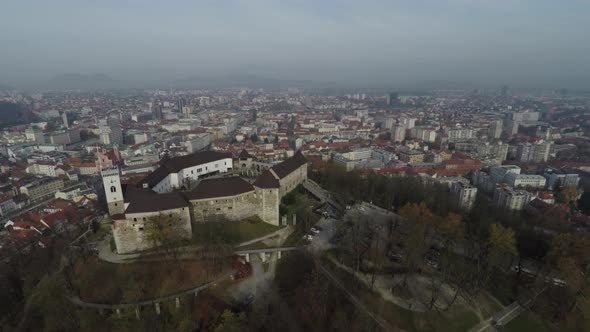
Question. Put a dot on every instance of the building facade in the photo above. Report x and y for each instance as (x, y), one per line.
(212, 199)
(511, 199)
(42, 189)
(464, 194)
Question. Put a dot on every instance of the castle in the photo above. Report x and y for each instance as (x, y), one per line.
(166, 192)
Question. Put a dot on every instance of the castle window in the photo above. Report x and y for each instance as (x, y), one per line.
(134, 219)
(218, 209)
(229, 208)
(113, 189)
(141, 228)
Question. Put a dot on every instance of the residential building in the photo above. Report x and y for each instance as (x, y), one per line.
(511, 199)
(460, 134)
(398, 133)
(412, 156)
(524, 180)
(42, 189)
(558, 179)
(495, 129)
(498, 173)
(464, 195)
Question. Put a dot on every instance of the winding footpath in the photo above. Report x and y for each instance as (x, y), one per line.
(101, 306)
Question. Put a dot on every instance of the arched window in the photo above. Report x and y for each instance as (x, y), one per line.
(113, 189)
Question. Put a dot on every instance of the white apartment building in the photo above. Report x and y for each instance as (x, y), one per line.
(525, 180)
(464, 194)
(511, 199)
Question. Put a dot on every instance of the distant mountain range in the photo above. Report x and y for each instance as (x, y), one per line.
(98, 82)
(441, 85)
(82, 82)
(104, 82)
(233, 81)
(5, 87)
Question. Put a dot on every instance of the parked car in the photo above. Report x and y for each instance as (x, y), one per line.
(397, 254)
(308, 237)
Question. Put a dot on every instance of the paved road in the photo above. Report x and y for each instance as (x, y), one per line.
(501, 318)
(321, 241)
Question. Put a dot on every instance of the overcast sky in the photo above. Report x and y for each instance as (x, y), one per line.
(484, 41)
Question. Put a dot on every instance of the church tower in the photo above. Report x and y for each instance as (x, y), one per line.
(113, 191)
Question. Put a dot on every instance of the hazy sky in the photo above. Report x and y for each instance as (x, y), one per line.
(490, 41)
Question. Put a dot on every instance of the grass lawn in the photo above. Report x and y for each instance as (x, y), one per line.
(295, 239)
(232, 232)
(487, 305)
(528, 321)
(255, 245)
(501, 287)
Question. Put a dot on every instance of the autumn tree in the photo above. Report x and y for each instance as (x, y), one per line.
(501, 242)
(569, 194)
(317, 290)
(420, 220)
(50, 300)
(358, 239)
(569, 256)
(497, 252)
(163, 231)
(452, 267)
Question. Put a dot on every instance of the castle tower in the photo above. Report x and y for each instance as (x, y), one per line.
(267, 190)
(113, 191)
